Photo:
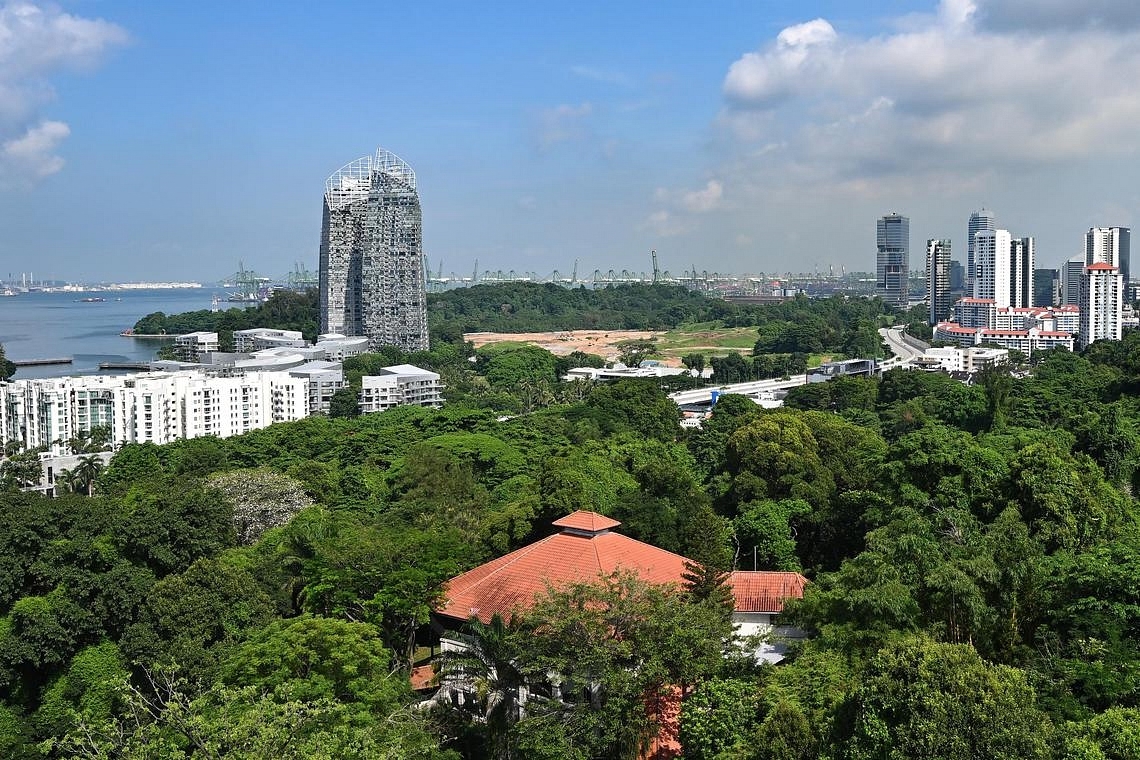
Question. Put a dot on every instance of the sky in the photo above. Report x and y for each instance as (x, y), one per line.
(144, 141)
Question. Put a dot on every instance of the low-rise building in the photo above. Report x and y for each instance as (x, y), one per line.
(191, 347)
(260, 338)
(400, 385)
(1025, 341)
(324, 379)
(971, 359)
(336, 347)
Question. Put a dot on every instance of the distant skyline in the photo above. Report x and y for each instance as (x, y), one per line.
(150, 141)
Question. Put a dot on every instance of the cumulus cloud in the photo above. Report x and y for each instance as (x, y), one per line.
(37, 42)
(705, 199)
(563, 123)
(681, 208)
(33, 154)
(950, 94)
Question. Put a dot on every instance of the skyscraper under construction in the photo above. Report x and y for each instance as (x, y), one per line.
(372, 266)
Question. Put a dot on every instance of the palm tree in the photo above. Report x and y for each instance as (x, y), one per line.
(67, 481)
(86, 470)
(486, 668)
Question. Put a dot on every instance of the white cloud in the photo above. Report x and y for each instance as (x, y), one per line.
(563, 123)
(947, 96)
(33, 154)
(37, 42)
(682, 208)
(705, 199)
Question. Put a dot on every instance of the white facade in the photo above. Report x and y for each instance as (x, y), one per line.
(1003, 268)
(1025, 341)
(192, 346)
(401, 385)
(336, 347)
(155, 407)
(970, 359)
(260, 338)
(982, 219)
(1109, 245)
(1102, 290)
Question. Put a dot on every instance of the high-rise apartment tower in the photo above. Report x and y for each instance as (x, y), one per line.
(938, 280)
(893, 259)
(1003, 268)
(372, 264)
(983, 219)
(1102, 291)
(1109, 245)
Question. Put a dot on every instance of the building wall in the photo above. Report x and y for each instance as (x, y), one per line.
(979, 220)
(148, 407)
(371, 257)
(1102, 289)
(893, 259)
(938, 280)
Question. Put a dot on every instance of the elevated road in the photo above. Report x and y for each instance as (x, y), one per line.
(905, 348)
(753, 389)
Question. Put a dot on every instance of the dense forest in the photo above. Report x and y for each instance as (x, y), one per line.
(841, 325)
(973, 552)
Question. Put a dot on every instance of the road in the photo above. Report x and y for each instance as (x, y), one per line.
(904, 347)
(753, 389)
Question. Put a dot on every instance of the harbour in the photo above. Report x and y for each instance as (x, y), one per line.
(54, 326)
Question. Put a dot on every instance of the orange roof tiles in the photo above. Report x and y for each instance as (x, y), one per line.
(424, 677)
(584, 550)
(764, 591)
(1099, 267)
(587, 521)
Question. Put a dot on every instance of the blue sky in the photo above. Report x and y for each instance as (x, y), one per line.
(170, 140)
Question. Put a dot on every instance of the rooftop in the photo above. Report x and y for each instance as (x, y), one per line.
(584, 549)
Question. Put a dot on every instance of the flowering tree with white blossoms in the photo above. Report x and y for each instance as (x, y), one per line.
(262, 499)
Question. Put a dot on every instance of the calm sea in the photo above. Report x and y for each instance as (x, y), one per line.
(56, 325)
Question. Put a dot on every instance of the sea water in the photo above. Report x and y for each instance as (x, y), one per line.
(41, 325)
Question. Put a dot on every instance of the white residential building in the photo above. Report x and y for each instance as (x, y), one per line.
(260, 338)
(336, 347)
(1109, 245)
(1102, 291)
(1026, 341)
(155, 407)
(971, 359)
(191, 347)
(1003, 268)
(401, 385)
(324, 379)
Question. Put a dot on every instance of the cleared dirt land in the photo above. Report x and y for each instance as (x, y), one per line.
(671, 345)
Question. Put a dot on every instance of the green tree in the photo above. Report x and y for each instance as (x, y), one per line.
(7, 368)
(611, 647)
(344, 404)
(488, 666)
(923, 699)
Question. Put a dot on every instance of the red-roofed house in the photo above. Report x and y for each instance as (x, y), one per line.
(587, 547)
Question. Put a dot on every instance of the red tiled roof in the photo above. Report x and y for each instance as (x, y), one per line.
(1099, 267)
(511, 582)
(424, 677)
(586, 521)
(970, 299)
(763, 591)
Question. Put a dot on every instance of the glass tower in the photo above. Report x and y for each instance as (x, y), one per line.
(893, 260)
(979, 220)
